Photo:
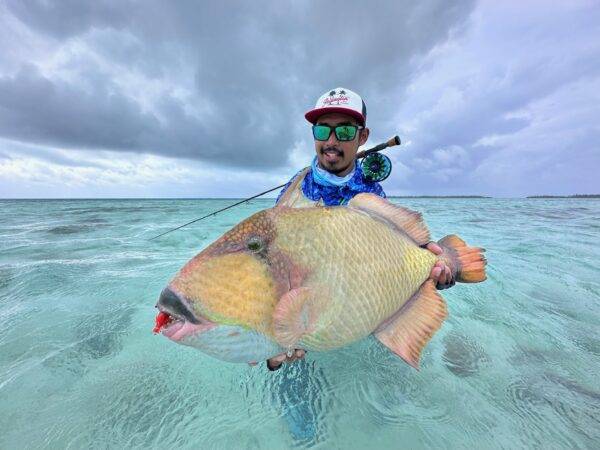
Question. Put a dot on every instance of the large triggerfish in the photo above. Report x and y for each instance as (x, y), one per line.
(315, 278)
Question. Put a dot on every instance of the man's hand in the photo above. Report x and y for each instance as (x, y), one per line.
(276, 361)
(440, 273)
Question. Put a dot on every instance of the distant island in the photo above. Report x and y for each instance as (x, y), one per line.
(438, 196)
(566, 196)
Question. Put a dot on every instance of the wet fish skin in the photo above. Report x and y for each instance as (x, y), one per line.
(320, 278)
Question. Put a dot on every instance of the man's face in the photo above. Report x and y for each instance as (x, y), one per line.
(337, 157)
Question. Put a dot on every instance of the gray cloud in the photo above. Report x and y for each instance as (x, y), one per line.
(50, 155)
(490, 98)
(41, 110)
(235, 79)
(62, 19)
(491, 95)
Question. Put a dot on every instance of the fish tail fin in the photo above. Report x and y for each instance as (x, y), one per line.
(467, 263)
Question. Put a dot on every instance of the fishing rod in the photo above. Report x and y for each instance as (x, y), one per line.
(218, 211)
(390, 143)
(378, 164)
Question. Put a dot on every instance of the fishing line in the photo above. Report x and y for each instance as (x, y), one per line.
(377, 167)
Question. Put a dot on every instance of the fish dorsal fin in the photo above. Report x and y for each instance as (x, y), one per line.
(294, 190)
(411, 222)
(407, 332)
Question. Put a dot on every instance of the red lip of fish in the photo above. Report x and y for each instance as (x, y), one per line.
(162, 319)
(176, 329)
(170, 325)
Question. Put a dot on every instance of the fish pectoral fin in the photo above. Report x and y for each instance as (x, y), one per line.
(409, 330)
(295, 315)
(409, 221)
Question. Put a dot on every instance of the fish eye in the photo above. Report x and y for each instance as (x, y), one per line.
(254, 244)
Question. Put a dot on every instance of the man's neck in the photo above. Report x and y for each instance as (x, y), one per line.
(341, 174)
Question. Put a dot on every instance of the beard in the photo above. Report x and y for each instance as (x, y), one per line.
(336, 165)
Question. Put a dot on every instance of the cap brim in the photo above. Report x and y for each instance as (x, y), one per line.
(314, 114)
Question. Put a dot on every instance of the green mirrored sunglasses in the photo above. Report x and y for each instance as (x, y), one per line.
(342, 132)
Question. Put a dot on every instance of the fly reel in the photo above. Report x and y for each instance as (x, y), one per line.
(376, 167)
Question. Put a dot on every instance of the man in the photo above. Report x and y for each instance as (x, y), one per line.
(339, 129)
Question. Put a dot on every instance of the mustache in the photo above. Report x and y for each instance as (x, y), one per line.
(335, 149)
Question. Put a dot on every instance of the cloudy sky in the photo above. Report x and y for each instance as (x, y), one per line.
(206, 99)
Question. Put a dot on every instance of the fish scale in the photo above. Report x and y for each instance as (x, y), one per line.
(363, 296)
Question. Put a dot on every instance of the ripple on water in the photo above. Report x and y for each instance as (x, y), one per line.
(101, 333)
(6, 277)
(463, 356)
(525, 399)
(139, 400)
(544, 407)
(115, 209)
(97, 336)
(95, 220)
(387, 391)
(587, 341)
(380, 398)
(575, 404)
(71, 229)
(523, 356)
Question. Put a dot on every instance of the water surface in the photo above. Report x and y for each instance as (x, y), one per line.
(516, 364)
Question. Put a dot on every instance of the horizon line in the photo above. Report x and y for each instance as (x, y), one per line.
(539, 196)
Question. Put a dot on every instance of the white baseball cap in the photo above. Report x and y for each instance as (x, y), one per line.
(340, 100)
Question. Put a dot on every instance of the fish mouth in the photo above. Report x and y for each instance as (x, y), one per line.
(175, 319)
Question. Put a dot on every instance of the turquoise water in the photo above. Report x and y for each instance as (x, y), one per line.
(516, 364)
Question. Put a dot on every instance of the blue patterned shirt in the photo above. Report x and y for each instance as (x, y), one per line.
(336, 195)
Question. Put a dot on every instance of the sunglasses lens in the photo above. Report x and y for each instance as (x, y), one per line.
(345, 132)
(321, 132)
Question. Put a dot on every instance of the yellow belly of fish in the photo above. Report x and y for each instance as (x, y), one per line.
(363, 269)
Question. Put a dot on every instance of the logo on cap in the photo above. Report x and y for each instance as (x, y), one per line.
(341, 98)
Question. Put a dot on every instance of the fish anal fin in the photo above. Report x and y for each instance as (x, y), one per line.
(409, 330)
(409, 221)
(296, 315)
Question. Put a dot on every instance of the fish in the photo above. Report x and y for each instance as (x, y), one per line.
(315, 278)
